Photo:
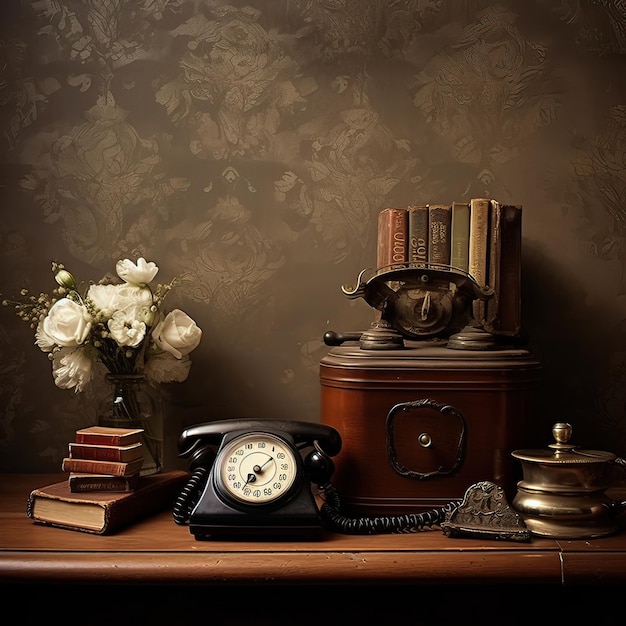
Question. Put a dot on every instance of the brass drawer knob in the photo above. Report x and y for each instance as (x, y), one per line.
(425, 440)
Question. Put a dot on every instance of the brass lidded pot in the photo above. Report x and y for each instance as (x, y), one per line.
(562, 494)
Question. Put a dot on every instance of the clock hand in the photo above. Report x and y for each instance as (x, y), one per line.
(259, 468)
(250, 479)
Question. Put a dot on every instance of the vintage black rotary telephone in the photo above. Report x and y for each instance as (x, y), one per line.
(249, 477)
(252, 479)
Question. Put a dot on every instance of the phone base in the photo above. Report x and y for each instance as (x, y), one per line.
(297, 519)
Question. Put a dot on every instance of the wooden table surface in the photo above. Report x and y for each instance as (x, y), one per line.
(157, 550)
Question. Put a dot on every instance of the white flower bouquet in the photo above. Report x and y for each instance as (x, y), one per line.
(117, 322)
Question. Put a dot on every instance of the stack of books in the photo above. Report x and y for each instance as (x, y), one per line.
(104, 459)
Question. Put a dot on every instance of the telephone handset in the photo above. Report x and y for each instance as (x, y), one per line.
(253, 478)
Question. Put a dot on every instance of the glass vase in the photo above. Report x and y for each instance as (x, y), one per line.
(133, 403)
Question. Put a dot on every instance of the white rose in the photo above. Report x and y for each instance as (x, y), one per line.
(140, 273)
(126, 327)
(107, 299)
(67, 323)
(71, 368)
(43, 340)
(177, 334)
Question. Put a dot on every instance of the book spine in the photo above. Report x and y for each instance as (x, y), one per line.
(439, 221)
(460, 229)
(82, 484)
(102, 440)
(418, 234)
(392, 244)
(89, 466)
(106, 453)
(479, 249)
(503, 311)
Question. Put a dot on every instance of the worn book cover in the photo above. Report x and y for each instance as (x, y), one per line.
(100, 512)
(459, 254)
(503, 311)
(80, 482)
(123, 454)
(439, 221)
(418, 234)
(108, 436)
(392, 244)
(89, 466)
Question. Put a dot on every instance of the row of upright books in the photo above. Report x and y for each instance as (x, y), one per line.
(104, 459)
(481, 237)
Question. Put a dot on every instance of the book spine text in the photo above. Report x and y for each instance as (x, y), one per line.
(439, 221)
(392, 244)
(418, 234)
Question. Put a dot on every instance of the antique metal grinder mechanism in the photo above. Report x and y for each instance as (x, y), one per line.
(418, 302)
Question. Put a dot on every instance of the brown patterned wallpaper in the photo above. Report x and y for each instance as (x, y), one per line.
(248, 147)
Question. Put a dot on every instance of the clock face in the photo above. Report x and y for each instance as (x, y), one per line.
(256, 468)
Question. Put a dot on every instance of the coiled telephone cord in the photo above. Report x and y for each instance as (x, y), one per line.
(379, 524)
(189, 495)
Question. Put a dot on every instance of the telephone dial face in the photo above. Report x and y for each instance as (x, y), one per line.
(252, 478)
(257, 469)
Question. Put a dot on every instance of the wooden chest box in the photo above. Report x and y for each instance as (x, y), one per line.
(421, 424)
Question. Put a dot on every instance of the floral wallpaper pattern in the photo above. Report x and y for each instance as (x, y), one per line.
(247, 147)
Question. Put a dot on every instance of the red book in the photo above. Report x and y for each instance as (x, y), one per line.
(106, 436)
(392, 245)
(122, 454)
(89, 466)
(103, 513)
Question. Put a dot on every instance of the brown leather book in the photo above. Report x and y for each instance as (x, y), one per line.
(100, 512)
(392, 242)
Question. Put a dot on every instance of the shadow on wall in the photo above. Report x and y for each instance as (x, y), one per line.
(567, 334)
